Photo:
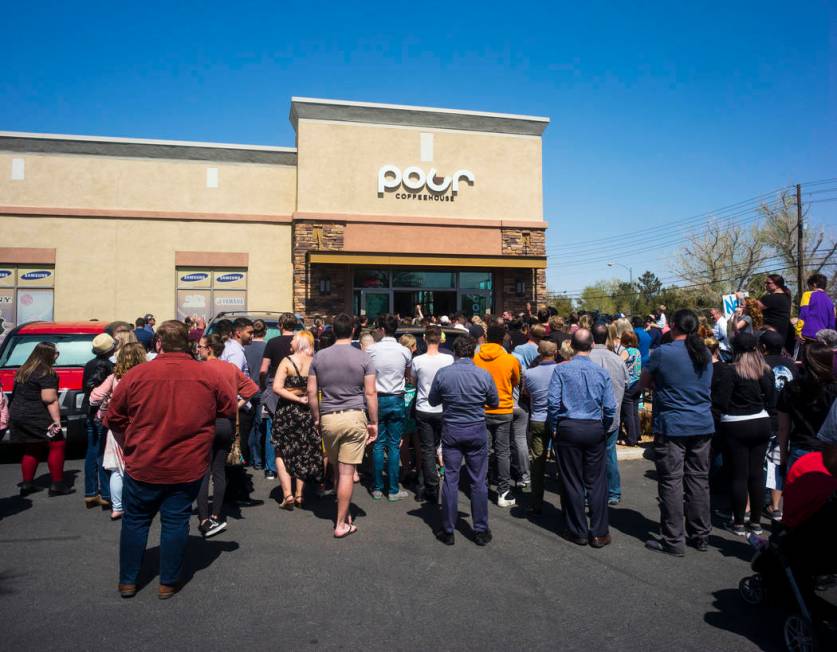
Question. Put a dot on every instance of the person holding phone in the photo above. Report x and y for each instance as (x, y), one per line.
(35, 419)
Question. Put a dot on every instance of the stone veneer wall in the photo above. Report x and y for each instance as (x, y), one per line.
(523, 242)
(312, 236)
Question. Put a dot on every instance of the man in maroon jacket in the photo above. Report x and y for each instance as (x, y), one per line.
(163, 414)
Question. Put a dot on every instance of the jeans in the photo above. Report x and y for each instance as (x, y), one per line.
(269, 449)
(142, 502)
(499, 433)
(430, 436)
(580, 445)
(116, 482)
(254, 437)
(614, 480)
(794, 454)
(630, 413)
(683, 468)
(96, 482)
(520, 443)
(390, 429)
(246, 418)
(540, 446)
(468, 442)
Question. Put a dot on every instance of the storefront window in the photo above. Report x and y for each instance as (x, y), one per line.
(419, 279)
(207, 292)
(26, 294)
(371, 278)
(475, 280)
(438, 292)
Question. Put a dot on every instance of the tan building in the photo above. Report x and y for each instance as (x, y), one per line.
(378, 208)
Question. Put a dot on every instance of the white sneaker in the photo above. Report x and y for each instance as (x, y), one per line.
(394, 498)
(506, 500)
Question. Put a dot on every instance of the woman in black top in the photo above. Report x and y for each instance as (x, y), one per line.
(743, 392)
(804, 404)
(776, 305)
(35, 419)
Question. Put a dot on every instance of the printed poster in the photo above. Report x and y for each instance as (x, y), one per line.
(34, 305)
(192, 303)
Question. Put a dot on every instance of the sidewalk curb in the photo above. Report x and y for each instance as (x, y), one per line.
(626, 453)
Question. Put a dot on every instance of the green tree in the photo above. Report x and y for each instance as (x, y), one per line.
(648, 286)
(599, 297)
(560, 301)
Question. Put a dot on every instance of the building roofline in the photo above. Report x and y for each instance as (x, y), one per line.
(417, 116)
(31, 142)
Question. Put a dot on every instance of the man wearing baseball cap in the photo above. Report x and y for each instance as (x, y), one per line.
(96, 371)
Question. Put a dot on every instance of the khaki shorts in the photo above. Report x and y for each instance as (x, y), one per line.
(344, 436)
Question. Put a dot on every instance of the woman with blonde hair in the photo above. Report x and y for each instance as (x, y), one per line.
(128, 356)
(614, 342)
(744, 393)
(299, 449)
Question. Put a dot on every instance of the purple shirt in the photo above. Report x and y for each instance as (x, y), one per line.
(818, 314)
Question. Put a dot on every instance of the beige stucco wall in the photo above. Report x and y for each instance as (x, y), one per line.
(103, 182)
(120, 269)
(338, 167)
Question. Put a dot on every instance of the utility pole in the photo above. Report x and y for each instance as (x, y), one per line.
(799, 248)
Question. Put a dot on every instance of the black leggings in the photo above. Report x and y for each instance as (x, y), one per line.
(224, 432)
(746, 443)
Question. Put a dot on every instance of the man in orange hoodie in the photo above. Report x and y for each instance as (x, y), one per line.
(504, 369)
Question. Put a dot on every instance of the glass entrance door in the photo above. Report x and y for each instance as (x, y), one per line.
(374, 302)
(475, 303)
(432, 302)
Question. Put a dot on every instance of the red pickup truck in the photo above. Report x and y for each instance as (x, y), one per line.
(75, 344)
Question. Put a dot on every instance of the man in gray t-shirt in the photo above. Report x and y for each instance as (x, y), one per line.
(346, 377)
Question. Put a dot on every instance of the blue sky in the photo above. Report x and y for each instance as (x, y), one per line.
(659, 112)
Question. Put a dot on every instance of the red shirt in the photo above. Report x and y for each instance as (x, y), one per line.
(808, 487)
(164, 413)
(236, 381)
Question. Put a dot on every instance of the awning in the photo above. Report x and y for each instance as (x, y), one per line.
(419, 260)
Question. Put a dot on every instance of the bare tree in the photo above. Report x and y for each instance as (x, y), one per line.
(779, 233)
(722, 256)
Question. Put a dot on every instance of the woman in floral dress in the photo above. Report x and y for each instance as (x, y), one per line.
(299, 449)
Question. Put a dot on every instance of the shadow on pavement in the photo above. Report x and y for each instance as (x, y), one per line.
(760, 625)
(12, 505)
(200, 554)
(44, 480)
(7, 578)
(632, 523)
(550, 519)
(325, 507)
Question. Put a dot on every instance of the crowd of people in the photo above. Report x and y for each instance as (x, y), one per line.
(744, 405)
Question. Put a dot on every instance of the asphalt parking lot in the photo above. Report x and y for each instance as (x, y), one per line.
(278, 579)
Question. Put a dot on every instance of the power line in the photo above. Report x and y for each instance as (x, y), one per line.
(716, 214)
(674, 235)
(689, 286)
(687, 222)
(771, 259)
(666, 240)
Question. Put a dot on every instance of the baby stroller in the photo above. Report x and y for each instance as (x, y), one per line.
(792, 568)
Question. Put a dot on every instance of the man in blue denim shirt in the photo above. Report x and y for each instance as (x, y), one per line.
(582, 407)
(463, 390)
